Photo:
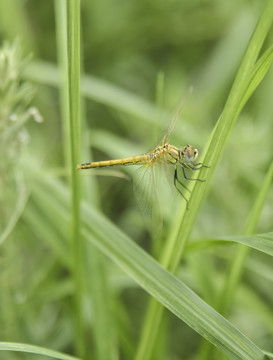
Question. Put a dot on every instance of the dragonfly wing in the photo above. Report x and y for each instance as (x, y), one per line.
(175, 117)
(154, 191)
(147, 197)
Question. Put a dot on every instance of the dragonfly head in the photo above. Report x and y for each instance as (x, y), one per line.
(190, 153)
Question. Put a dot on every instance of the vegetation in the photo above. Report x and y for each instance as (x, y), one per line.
(82, 276)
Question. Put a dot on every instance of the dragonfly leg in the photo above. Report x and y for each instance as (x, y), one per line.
(180, 182)
(194, 167)
(185, 176)
(184, 186)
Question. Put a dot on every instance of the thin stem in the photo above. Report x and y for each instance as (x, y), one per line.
(73, 45)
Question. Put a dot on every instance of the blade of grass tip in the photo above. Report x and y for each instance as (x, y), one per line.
(258, 73)
(214, 149)
(73, 46)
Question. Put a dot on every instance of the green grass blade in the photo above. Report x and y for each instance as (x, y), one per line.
(19, 208)
(97, 282)
(259, 71)
(269, 355)
(73, 74)
(61, 39)
(31, 349)
(256, 210)
(41, 225)
(95, 89)
(260, 242)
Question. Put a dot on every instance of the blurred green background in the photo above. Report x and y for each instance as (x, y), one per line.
(127, 47)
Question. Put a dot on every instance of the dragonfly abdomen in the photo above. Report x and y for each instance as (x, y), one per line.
(133, 160)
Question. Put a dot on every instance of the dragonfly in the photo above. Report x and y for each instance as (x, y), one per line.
(163, 154)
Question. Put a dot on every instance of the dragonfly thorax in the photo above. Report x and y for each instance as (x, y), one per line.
(169, 154)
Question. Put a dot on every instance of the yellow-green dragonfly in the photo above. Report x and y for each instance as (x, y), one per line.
(164, 154)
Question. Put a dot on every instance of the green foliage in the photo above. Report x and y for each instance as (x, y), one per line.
(15, 111)
(58, 289)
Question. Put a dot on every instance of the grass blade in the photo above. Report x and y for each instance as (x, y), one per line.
(260, 242)
(73, 74)
(31, 349)
(96, 89)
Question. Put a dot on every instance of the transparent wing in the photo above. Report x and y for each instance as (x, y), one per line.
(154, 191)
(175, 117)
(147, 197)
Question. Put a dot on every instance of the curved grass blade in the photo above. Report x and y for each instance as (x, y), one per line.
(31, 349)
(260, 242)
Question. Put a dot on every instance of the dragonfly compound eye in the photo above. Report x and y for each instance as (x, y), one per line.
(195, 153)
(191, 154)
